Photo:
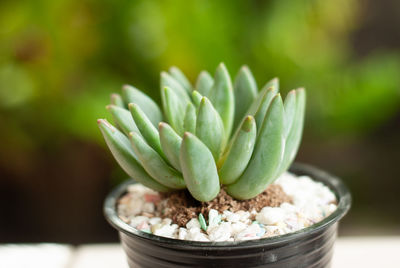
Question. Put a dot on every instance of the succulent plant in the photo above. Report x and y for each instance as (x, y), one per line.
(217, 133)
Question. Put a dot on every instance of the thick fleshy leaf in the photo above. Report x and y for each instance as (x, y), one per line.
(199, 169)
(221, 96)
(273, 84)
(204, 83)
(116, 99)
(239, 152)
(189, 123)
(267, 155)
(154, 164)
(168, 81)
(294, 138)
(170, 144)
(132, 95)
(209, 128)
(123, 119)
(270, 93)
(245, 91)
(290, 111)
(146, 128)
(174, 109)
(181, 78)
(196, 98)
(122, 151)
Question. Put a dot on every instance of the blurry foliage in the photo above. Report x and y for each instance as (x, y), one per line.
(60, 60)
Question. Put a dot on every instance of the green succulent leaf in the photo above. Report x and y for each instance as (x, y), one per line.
(154, 164)
(123, 119)
(170, 144)
(132, 95)
(209, 128)
(181, 78)
(196, 98)
(294, 137)
(146, 128)
(116, 99)
(274, 83)
(266, 157)
(174, 109)
(270, 86)
(204, 83)
(290, 111)
(259, 116)
(239, 152)
(168, 81)
(122, 151)
(221, 96)
(189, 123)
(232, 134)
(245, 91)
(199, 169)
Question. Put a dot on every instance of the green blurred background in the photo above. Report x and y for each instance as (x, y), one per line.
(60, 60)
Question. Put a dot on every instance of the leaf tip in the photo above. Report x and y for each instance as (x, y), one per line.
(187, 134)
(125, 87)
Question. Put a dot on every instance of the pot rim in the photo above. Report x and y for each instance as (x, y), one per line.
(340, 190)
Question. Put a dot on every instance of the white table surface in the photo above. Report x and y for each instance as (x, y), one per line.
(381, 252)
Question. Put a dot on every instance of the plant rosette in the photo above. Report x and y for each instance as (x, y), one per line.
(214, 187)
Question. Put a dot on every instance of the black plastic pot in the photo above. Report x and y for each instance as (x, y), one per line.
(310, 247)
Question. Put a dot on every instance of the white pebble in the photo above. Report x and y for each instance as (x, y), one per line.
(182, 233)
(312, 202)
(213, 218)
(167, 221)
(234, 217)
(193, 223)
(154, 220)
(271, 215)
(273, 230)
(148, 207)
(221, 232)
(226, 213)
(237, 227)
(138, 220)
(249, 233)
(244, 215)
(195, 235)
(165, 230)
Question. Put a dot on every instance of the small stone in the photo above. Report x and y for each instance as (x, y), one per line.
(310, 202)
(271, 216)
(234, 217)
(273, 231)
(249, 233)
(143, 227)
(221, 232)
(138, 220)
(148, 207)
(244, 215)
(154, 220)
(193, 223)
(167, 221)
(182, 233)
(238, 227)
(202, 221)
(226, 214)
(165, 230)
(213, 218)
(195, 235)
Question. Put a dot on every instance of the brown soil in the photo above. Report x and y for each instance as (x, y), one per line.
(181, 207)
